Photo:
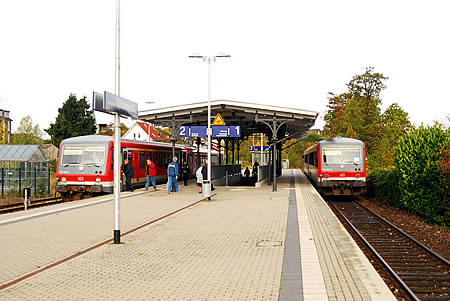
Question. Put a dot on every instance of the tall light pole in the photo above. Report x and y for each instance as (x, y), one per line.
(117, 134)
(209, 59)
(149, 137)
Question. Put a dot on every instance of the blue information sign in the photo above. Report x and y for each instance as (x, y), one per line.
(258, 148)
(220, 131)
(223, 131)
(234, 131)
(198, 131)
(184, 131)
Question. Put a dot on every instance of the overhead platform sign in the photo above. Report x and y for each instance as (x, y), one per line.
(232, 131)
(111, 103)
(258, 148)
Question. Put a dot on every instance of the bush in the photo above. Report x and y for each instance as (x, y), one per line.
(384, 183)
(417, 157)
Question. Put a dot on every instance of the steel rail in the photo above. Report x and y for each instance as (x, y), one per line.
(431, 252)
(33, 204)
(404, 286)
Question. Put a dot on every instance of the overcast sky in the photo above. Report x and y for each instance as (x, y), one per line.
(285, 53)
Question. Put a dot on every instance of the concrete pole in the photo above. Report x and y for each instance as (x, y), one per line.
(117, 134)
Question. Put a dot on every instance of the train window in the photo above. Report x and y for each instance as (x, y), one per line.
(112, 158)
(130, 156)
(166, 159)
(81, 154)
(155, 158)
(142, 159)
(160, 159)
(342, 155)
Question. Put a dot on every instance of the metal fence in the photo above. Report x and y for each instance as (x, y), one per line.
(37, 178)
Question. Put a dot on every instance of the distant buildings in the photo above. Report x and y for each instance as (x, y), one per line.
(138, 131)
(143, 132)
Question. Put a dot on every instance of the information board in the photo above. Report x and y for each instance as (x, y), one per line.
(232, 131)
(258, 148)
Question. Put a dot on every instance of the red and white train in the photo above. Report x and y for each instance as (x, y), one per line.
(337, 166)
(86, 163)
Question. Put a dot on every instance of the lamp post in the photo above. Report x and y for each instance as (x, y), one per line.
(149, 137)
(117, 133)
(208, 59)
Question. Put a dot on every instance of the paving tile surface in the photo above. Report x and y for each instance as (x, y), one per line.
(231, 248)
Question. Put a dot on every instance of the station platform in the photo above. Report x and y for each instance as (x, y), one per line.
(245, 244)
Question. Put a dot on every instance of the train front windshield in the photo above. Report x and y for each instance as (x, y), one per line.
(83, 155)
(342, 155)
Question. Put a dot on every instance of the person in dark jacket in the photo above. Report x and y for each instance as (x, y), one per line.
(255, 169)
(150, 172)
(205, 175)
(186, 170)
(172, 172)
(129, 173)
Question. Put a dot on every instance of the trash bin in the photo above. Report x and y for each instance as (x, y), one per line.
(206, 189)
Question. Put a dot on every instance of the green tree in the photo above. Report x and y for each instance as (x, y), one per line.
(365, 90)
(296, 148)
(334, 116)
(422, 185)
(394, 125)
(27, 133)
(74, 119)
(356, 113)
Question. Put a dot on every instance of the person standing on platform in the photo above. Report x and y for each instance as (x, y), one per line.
(199, 176)
(205, 174)
(255, 169)
(150, 172)
(172, 172)
(186, 170)
(247, 173)
(129, 173)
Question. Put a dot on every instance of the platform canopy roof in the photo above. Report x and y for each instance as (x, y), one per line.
(293, 123)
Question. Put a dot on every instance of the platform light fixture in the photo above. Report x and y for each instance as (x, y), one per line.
(208, 59)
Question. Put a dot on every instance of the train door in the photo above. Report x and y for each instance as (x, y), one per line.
(142, 163)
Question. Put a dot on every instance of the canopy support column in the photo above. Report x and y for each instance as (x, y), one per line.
(274, 124)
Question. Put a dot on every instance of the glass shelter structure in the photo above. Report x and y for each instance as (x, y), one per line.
(23, 166)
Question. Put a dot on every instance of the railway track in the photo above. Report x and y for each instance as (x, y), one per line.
(420, 273)
(33, 204)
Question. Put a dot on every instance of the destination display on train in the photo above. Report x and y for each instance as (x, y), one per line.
(231, 131)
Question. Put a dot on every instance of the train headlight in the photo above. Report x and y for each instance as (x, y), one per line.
(63, 179)
(98, 180)
(357, 175)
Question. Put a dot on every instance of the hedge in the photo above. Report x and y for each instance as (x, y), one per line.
(422, 186)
